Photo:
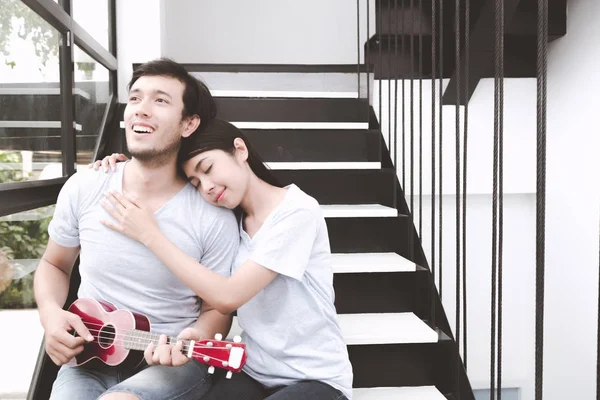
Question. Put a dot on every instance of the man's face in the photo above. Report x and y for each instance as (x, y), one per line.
(153, 117)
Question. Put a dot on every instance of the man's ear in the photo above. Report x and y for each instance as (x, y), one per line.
(190, 125)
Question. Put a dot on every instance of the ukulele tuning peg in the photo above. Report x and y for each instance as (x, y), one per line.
(218, 336)
(211, 370)
(229, 375)
(237, 338)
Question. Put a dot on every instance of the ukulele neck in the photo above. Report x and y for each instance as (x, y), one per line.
(139, 340)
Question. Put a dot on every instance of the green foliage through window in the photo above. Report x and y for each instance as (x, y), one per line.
(21, 238)
(29, 26)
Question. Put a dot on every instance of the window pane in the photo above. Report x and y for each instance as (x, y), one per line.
(30, 104)
(92, 15)
(23, 238)
(92, 92)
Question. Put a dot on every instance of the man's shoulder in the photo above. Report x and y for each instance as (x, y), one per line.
(206, 211)
(85, 179)
(215, 227)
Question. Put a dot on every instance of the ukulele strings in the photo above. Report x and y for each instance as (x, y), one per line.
(184, 350)
(134, 337)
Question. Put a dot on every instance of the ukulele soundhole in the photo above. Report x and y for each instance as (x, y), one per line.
(106, 338)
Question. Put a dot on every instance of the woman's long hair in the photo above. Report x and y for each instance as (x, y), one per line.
(219, 135)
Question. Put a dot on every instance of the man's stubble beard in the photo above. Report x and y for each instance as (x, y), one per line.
(157, 157)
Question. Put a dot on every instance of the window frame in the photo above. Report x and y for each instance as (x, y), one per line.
(23, 196)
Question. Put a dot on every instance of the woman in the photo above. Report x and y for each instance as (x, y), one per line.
(281, 282)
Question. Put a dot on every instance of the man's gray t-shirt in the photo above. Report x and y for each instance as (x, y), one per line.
(122, 271)
(290, 327)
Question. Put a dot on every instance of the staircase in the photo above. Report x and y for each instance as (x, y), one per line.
(402, 39)
(322, 137)
(399, 341)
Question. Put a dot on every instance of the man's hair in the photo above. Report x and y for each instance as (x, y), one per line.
(197, 99)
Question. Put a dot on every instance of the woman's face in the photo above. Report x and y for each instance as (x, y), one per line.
(220, 177)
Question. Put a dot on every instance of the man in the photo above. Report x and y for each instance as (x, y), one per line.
(165, 104)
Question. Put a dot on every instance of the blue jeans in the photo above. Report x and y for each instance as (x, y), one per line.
(189, 381)
(243, 387)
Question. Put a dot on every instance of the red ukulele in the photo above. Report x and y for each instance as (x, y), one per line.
(117, 332)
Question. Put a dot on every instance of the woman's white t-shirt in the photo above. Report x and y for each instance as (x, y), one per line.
(290, 327)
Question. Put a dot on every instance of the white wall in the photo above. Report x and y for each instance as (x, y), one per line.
(138, 37)
(519, 216)
(572, 222)
(263, 31)
(519, 135)
(238, 31)
(573, 205)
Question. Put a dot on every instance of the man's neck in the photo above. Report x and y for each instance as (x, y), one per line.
(142, 179)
